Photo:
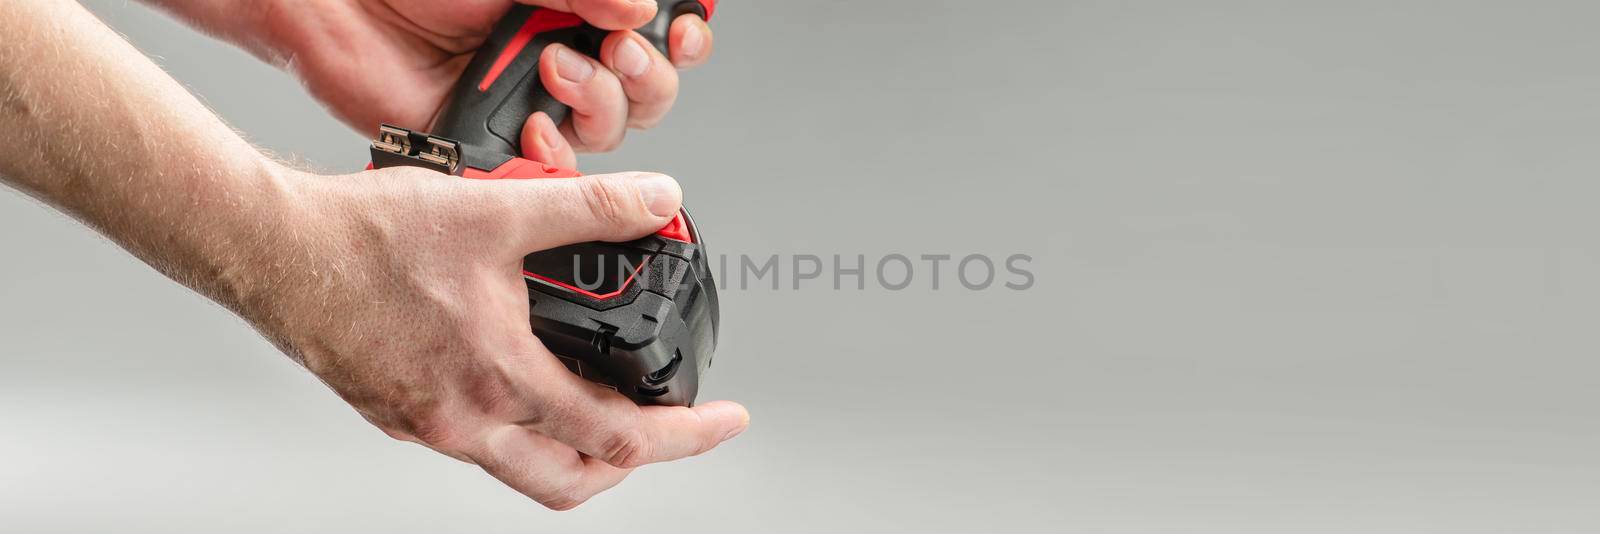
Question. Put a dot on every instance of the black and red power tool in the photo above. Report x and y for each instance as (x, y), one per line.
(640, 317)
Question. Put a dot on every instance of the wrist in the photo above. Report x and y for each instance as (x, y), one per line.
(249, 220)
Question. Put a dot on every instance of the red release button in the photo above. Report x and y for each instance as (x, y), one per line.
(676, 230)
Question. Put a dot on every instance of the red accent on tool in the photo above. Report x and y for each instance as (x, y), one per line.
(518, 168)
(677, 230)
(587, 293)
(541, 21)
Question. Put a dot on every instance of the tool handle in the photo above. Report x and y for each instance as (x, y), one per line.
(501, 88)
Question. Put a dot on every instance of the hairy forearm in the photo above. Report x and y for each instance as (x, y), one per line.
(99, 131)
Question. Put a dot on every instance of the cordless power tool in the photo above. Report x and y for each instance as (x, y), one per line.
(640, 317)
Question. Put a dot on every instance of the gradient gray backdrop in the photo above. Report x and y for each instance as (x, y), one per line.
(1302, 267)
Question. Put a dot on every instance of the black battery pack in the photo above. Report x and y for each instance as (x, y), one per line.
(638, 317)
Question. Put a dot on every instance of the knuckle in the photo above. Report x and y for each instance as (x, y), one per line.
(565, 499)
(397, 434)
(626, 449)
(562, 503)
(644, 123)
(498, 400)
(499, 390)
(659, 94)
(641, 11)
(436, 429)
(610, 143)
(710, 441)
(605, 200)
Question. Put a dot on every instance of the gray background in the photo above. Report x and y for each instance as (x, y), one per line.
(1302, 267)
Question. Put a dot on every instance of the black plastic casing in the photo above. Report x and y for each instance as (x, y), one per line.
(654, 339)
(489, 122)
(651, 336)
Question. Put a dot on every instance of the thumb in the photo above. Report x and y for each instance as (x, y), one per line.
(553, 212)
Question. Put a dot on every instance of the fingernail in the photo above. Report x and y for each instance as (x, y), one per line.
(573, 67)
(661, 194)
(631, 59)
(693, 40)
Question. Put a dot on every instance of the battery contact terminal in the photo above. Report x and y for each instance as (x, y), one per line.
(442, 152)
(393, 140)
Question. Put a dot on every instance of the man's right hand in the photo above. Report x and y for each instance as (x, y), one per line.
(402, 290)
(352, 54)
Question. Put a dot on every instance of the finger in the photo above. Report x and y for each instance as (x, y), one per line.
(603, 14)
(690, 41)
(599, 105)
(612, 428)
(544, 469)
(552, 212)
(601, 423)
(648, 80)
(542, 141)
(401, 435)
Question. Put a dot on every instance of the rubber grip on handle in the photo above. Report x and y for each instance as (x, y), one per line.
(501, 88)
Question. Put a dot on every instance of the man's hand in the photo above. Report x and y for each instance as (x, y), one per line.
(395, 61)
(402, 290)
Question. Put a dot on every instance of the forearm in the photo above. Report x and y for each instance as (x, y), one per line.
(97, 130)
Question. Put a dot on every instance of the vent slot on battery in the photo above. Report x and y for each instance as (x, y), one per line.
(602, 338)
